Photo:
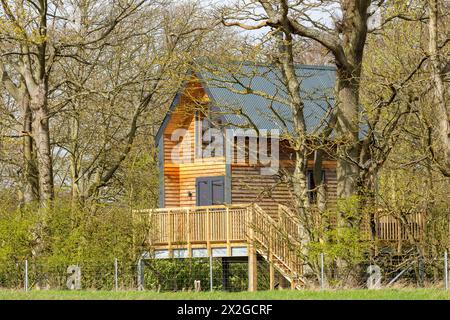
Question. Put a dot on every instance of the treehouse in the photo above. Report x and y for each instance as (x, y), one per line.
(226, 164)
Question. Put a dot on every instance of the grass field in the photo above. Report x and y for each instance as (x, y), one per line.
(391, 294)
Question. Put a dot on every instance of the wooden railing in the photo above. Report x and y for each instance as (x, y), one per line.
(391, 228)
(289, 223)
(196, 225)
(278, 241)
(277, 245)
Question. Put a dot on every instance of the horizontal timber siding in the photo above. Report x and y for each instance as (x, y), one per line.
(248, 185)
(188, 175)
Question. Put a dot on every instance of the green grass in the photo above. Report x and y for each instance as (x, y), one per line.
(387, 294)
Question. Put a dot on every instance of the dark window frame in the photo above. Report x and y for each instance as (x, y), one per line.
(210, 182)
(311, 185)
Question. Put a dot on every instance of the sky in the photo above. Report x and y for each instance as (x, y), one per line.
(317, 15)
(324, 14)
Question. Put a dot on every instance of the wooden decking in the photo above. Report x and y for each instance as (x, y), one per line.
(227, 231)
(242, 230)
(198, 231)
(219, 230)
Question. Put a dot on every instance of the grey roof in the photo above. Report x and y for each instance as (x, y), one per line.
(247, 95)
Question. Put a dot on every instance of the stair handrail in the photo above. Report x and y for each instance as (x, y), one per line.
(271, 239)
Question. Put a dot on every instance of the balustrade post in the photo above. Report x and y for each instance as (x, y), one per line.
(228, 230)
(170, 231)
(252, 258)
(188, 233)
(270, 257)
(208, 232)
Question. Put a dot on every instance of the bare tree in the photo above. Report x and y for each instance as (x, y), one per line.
(29, 174)
(33, 42)
(346, 41)
(439, 70)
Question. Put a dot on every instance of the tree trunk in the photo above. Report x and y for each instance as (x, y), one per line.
(41, 133)
(75, 165)
(292, 82)
(30, 173)
(440, 110)
(347, 134)
(300, 186)
(354, 33)
(319, 181)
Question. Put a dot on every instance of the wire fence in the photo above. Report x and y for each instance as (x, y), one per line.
(389, 271)
(205, 274)
(162, 275)
(215, 274)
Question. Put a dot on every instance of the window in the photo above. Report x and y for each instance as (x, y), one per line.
(312, 192)
(210, 191)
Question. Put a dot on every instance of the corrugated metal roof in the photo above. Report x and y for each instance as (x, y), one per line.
(247, 95)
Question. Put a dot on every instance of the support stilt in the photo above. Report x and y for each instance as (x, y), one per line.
(271, 275)
(252, 270)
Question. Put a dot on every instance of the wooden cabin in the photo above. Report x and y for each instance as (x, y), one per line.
(223, 191)
(189, 177)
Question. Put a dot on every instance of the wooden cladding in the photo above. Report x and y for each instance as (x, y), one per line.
(248, 186)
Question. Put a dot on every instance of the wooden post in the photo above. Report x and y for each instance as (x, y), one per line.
(116, 275)
(135, 223)
(252, 269)
(169, 230)
(252, 258)
(293, 284)
(271, 274)
(188, 234)
(228, 230)
(208, 232)
(210, 273)
(271, 267)
(399, 235)
(26, 276)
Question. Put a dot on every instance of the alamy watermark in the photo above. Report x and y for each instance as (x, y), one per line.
(236, 146)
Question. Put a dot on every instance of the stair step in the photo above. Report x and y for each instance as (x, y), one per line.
(278, 261)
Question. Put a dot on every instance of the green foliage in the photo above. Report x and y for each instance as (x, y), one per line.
(15, 245)
(52, 239)
(141, 177)
(180, 274)
(344, 244)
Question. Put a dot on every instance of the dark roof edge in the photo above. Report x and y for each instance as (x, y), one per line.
(167, 117)
(175, 103)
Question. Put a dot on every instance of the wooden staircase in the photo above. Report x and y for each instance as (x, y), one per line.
(278, 242)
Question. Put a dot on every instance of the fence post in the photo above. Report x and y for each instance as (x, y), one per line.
(322, 271)
(210, 272)
(26, 276)
(116, 274)
(446, 270)
(140, 275)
